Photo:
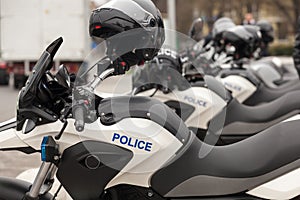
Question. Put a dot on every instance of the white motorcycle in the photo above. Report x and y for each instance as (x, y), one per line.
(136, 148)
(251, 82)
(206, 106)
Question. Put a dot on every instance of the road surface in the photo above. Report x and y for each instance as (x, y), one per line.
(12, 163)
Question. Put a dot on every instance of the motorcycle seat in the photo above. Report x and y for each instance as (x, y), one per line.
(204, 170)
(266, 94)
(248, 120)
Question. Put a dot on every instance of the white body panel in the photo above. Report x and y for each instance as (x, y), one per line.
(10, 139)
(266, 73)
(281, 188)
(207, 104)
(8, 121)
(141, 167)
(27, 27)
(296, 117)
(240, 87)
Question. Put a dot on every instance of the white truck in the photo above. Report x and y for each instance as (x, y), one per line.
(27, 27)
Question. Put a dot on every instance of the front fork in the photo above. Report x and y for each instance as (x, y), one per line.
(42, 182)
(45, 177)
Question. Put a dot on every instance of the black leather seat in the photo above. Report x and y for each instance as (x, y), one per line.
(242, 119)
(265, 112)
(265, 94)
(233, 168)
(114, 109)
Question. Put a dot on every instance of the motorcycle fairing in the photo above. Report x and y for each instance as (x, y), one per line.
(141, 167)
(214, 104)
(9, 140)
(243, 73)
(28, 108)
(94, 164)
(241, 88)
(8, 124)
(266, 72)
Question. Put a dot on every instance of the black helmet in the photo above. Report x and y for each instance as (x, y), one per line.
(220, 26)
(163, 72)
(132, 23)
(196, 29)
(266, 30)
(245, 39)
(256, 39)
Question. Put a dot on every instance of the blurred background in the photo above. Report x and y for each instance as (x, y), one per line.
(281, 14)
(27, 26)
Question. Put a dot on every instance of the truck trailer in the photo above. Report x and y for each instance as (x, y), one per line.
(27, 27)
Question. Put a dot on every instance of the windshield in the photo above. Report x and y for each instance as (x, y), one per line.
(29, 94)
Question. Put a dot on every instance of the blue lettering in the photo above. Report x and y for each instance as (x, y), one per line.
(233, 87)
(124, 139)
(141, 146)
(148, 146)
(135, 143)
(129, 142)
(198, 102)
(115, 137)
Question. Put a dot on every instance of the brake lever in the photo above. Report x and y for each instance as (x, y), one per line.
(64, 114)
(62, 130)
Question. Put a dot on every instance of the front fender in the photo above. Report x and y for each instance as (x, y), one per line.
(14, 189)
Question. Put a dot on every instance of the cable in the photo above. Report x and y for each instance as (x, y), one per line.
(57, 191)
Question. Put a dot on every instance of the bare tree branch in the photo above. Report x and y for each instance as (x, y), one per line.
(296, 6)
(281, 6)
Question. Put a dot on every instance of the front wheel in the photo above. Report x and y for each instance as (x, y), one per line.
(14, 189)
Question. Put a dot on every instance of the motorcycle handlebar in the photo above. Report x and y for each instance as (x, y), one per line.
(79, 118)
(80, 110)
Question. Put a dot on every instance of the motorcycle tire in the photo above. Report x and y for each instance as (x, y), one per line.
(14, 189)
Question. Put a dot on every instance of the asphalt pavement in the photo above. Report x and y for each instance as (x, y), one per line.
(12, 163)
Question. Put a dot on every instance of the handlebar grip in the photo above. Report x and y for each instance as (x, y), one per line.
(79, 118)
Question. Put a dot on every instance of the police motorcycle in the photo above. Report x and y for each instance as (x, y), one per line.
(105, 153)
(251, 85)
(286, 70)
(267, 82)
(206, 106)
(265, 35)
(102, 161)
